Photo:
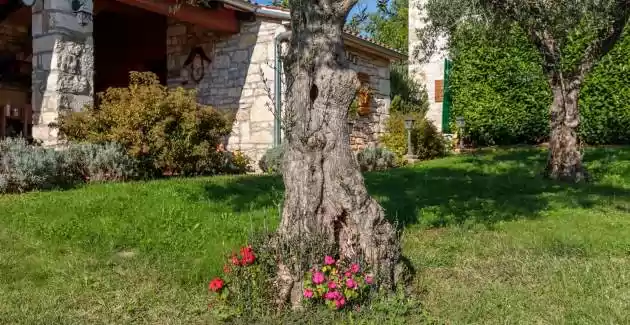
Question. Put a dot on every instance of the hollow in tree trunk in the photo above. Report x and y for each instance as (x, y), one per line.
(565, 159)
(325, 191)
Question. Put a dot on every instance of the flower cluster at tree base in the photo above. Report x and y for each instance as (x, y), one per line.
(335, 285)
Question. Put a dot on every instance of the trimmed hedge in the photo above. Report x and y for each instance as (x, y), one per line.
(499, 88)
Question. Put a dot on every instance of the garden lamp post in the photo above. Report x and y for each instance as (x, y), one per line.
(408, 126)
(460, 126)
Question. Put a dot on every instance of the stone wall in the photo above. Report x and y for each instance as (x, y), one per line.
(63, 64)
(239, 79)
(425, 73)
(367, 129)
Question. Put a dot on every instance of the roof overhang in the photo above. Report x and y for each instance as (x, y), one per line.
(349, 39)
(373, 48)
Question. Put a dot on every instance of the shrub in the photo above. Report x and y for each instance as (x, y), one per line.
(408, 96)
(234, 162)
(107, 162)
(427, 142)
(25, 167)
(271, 161)
(164, 129)
(371, 159)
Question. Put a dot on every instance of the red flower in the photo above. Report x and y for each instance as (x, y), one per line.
(235, 260)
(248, 256)
(216, 285)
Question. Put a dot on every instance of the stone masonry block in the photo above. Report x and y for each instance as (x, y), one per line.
(67, 21)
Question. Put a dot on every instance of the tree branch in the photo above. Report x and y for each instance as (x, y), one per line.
(346, 6)
(606, 41)
(545, 44)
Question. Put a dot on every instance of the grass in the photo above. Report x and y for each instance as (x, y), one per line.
(493, 243)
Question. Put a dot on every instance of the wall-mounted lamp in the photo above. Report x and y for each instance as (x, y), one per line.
(83, 11)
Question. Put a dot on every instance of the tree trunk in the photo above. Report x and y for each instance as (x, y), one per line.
(325, 192)
(565, 159)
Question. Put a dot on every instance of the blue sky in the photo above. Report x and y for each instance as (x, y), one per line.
(370, 4)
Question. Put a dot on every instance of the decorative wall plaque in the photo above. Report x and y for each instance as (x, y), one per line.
(196, 63)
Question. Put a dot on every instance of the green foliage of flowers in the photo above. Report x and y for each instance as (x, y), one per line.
(245, 291)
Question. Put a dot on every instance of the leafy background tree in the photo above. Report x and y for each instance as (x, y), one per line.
(388, 25)
(571, 38)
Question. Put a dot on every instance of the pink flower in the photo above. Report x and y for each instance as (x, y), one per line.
(308, 293)
(331, 285)
(333, 295)
(369, 279)
(351, 284)
(339, 303)
(355, 268)
(318, 278)
(329, 260)
(348, 274)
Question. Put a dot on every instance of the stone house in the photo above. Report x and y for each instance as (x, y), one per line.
(56, 54)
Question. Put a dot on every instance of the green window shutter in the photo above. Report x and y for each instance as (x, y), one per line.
(446, 102)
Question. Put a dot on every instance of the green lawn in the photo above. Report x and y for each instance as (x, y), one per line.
(491, 241)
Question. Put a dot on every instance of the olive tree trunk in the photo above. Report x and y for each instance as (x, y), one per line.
(565, 159)
(325, 191)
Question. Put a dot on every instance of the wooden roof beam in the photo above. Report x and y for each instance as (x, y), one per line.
(218, 20)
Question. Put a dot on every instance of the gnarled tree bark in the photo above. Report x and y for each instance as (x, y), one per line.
(325, 191)
(565, 159)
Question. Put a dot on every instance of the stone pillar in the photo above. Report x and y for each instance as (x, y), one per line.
(63, 64)
(426, 73)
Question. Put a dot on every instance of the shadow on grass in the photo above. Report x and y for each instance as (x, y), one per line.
(481, 188)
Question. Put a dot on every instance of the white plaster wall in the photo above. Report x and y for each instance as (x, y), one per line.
(429, 71)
